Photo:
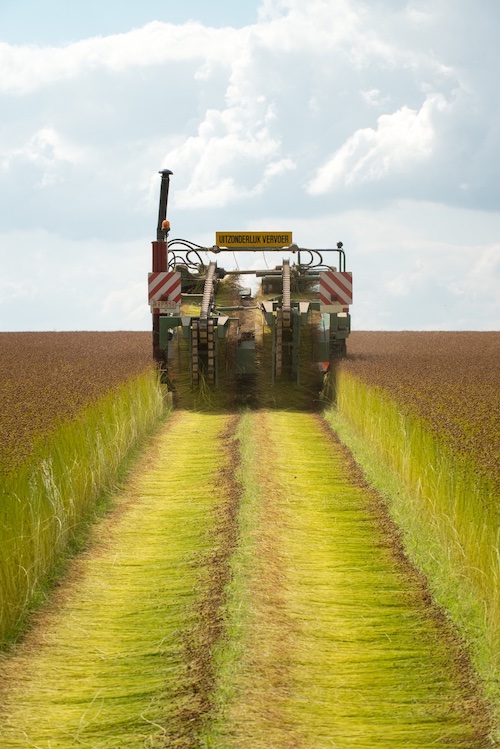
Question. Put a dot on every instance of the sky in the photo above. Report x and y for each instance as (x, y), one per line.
(371, 122)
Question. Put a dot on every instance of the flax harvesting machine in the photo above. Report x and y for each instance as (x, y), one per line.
(207, 327)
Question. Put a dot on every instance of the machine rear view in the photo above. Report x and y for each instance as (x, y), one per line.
(210, 326)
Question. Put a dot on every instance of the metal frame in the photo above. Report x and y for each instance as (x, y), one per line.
(284, 315)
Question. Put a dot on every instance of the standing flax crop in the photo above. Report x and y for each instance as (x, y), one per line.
(73, 406)
(426, 408)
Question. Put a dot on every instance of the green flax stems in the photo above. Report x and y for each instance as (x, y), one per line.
(332, 638)
(48, 498)
(249, 590)
(446, 505)
(123, 657)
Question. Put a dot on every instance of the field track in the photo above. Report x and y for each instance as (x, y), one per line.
(248, 590)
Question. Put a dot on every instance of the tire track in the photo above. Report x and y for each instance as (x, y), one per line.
(208, 626)
(376, 665)
(253, 689)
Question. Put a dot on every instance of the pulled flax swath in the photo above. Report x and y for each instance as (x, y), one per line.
(111, 664)
(339, 644)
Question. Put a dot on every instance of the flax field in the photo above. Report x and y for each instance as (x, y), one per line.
(295, 570)
(72, 407)
(48, 378)
(421, 413)
(450, 379)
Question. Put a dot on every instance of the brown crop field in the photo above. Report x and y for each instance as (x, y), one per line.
(450, 379)
(46, 378)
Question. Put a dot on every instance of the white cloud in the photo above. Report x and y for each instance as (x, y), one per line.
(335, 108)
(24, 69)
(403, 283)
(128, 303)
(13, 291)
(282, 166)
(375, 98)
(399, 141)
(47, 152)
(68, 285)
(231, 144)
(480, 279)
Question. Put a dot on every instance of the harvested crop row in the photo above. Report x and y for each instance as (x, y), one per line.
(333, 639)
(48, 378)
(128, 645)
(328, 635)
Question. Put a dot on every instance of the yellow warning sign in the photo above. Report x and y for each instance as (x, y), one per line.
(237, 240)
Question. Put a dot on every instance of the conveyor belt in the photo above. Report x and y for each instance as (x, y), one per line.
(208, 291)
(282, 342)
(286, 302)
(203, 334)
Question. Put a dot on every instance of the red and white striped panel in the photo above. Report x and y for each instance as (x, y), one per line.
(335, 286)
(164, 286)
